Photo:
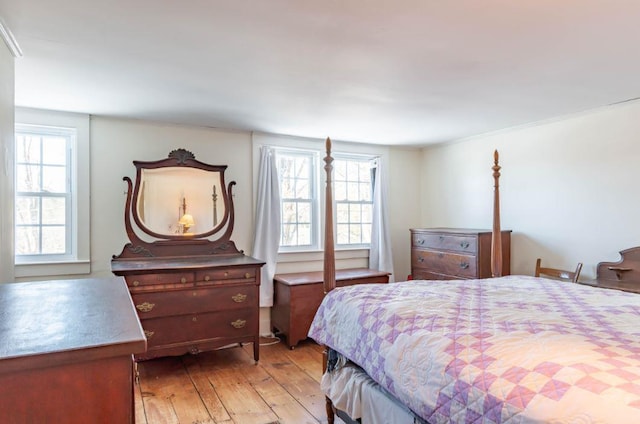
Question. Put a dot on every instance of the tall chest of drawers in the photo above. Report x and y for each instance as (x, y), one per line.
(190, 305)
(455, 253)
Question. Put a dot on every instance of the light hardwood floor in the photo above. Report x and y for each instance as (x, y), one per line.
(225, 386)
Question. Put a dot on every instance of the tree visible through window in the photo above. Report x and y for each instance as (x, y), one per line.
(43, 195)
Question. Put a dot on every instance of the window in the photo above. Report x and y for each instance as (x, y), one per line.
(353, 195)
(43, 191)
(51, 193)
(298, 171)
(297, 174)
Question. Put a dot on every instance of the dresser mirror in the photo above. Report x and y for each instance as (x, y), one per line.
(179, 202)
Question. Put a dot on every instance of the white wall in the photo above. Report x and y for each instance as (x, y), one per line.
(569, 188)
(6, 162)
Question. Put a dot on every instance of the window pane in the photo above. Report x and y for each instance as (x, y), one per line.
(54, 179)
(289, 212)
(304, 213)
(352, 191)
(302, 189)
(27, 210)
(53, 240)
(340, 170)
(364, 172)
(340, 191)
(27, 240)
(355, 234)
(302, 167)
(342, 234)
(365, 192)
(304, 235)
(28, 178)
(354, 213)
(289, 235)
(342, 213)
(53, 210)
(366, 233)
(54, 150)
(27, 149)
(367, 213)
(287, 188)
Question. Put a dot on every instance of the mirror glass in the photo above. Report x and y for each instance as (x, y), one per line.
(180, 200)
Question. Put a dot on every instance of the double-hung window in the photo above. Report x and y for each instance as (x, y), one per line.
(51, 208)
(43, 192)
(299, 175)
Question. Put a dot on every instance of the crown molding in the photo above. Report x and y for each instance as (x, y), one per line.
(10, 40)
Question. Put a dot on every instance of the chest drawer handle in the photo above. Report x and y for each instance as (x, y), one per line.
(239, 298)
(420, 259)
(226, 274)
(420, 241)
(441, 255)
(149, 334)
(183, 280)
(464, 244)
(136, 283)
(194, 319)
(239, 323)
(145, 307)
(207, 278)
(247, 275)
(464, 265)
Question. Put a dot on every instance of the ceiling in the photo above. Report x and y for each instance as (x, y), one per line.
(395, 72)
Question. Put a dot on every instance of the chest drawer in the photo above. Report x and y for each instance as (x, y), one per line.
(195, 300)
(214, 276)
(165, 280)
(196, 327)
(455, 243)
(445, 262)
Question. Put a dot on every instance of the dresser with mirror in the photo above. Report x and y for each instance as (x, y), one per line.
(192, 288)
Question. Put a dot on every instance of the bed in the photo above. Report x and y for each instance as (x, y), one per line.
(513, 349)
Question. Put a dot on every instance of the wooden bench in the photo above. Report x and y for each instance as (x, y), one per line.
(297, 297)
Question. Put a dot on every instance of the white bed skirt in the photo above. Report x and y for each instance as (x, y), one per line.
(354, 392)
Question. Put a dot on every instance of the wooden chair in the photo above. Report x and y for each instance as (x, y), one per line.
(558, 274)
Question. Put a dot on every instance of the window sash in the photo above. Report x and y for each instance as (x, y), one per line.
(44, 135)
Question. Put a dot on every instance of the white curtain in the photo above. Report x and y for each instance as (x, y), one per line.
(267, 224)
(380, 254)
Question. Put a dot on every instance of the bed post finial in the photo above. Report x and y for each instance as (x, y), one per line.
(496, 234)
(329, 253)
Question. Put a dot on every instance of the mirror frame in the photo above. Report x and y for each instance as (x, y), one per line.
(178, 244)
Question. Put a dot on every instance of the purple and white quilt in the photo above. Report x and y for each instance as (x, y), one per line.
(515, 349)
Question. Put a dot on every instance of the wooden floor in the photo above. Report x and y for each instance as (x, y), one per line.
(225, 386)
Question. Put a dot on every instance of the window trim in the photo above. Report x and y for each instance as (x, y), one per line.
(80, 262)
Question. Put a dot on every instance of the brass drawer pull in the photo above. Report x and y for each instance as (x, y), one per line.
(207, 278)
(239, 298)
(136, 283)
(149, 334)
(464, 265)
(226, 274)
(421, 241)
(239, 323)
(247, 275)
(464, 244)
(420, 259)
(183, 280)
(194, 319)
(145, 307)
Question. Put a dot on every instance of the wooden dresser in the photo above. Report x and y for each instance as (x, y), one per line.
(622, 275)
(66, 352)
(190, 305)
(297, 296)
(453, 253)
(193, 289)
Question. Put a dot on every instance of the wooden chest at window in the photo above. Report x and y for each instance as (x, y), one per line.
(297, 297)
(453, 253)
(190, 305)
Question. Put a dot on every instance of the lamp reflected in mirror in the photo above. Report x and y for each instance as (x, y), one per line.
(186, 220)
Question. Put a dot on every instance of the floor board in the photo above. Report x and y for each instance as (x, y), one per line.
(227, 387)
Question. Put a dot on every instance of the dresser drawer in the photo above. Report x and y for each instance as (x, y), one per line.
(168, 280)
(445, 263)
(196, 300)
(195, 327)
(422, 274)
(214, 276)
(455, 243)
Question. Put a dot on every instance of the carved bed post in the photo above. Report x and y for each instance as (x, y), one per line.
(329, 249)
(496, 236)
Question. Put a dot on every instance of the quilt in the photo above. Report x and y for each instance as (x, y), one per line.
(514, 349)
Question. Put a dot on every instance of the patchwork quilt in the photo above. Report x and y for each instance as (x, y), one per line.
(514, 349)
